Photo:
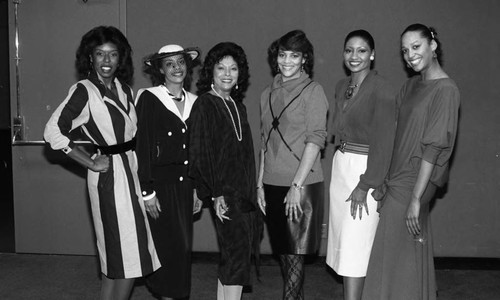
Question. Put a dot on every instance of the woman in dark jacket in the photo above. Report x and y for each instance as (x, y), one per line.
(162, 140)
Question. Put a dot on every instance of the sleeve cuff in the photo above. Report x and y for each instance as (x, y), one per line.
(68, 148)
(431, 154)
(317, 140)
(365, 187)
(148, 196)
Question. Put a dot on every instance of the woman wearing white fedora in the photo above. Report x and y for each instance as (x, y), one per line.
(162, 140)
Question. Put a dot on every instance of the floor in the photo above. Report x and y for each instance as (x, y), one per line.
(28, 276)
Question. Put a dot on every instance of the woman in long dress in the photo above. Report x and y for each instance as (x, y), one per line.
(162, 139)
(101, 105)
(363, 123)
(401, 263)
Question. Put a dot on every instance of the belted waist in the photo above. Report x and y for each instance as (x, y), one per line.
(118, 148)
(353, 148)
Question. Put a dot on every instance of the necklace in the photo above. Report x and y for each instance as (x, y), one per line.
(350, 90)
(178, 99)
(240, 135)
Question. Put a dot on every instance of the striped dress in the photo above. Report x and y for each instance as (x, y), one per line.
(124, 242)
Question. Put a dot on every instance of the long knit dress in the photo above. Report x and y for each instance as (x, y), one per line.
(223, 165)
(401, 266)
(124, 241)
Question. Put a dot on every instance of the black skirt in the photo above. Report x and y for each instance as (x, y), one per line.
(236, 239)
(173, 235)
(302, 236)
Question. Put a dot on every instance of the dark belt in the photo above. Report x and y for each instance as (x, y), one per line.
(118, 148)
(353, 148)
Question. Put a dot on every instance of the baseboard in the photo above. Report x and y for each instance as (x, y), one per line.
(441, 263)
(467, 263)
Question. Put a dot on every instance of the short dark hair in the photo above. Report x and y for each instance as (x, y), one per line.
(429, 33)
(362, 34)
(99, 36)
(157, 78)
(214, 56)
(296, 41)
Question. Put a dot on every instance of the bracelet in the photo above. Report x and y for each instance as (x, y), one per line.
(298, 187)
(259, 187)
(148, 197)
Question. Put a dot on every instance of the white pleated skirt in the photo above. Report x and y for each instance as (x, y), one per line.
(349, 241)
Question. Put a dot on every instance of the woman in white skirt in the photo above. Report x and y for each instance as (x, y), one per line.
(363, 123)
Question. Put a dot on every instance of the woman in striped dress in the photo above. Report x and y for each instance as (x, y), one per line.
(101, 105)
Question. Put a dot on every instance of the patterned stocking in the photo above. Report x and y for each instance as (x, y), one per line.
(292, 266)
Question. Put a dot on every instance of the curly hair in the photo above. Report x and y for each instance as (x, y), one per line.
(157, 77)
(296, 41)
(214, 56)
(429, 33)
(99, 36)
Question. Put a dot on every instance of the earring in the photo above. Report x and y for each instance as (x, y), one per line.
(91, 68)
(372, 57)
(237, 87)
(301, 68)
(434, 55)
(277, 69)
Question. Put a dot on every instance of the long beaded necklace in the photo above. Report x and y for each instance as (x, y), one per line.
(240, 135)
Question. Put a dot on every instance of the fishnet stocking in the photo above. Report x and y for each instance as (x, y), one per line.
(292, 269)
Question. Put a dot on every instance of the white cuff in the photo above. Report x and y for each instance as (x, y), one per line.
(149, 197)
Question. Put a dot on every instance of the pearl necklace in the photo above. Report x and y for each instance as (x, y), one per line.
(240, 135)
